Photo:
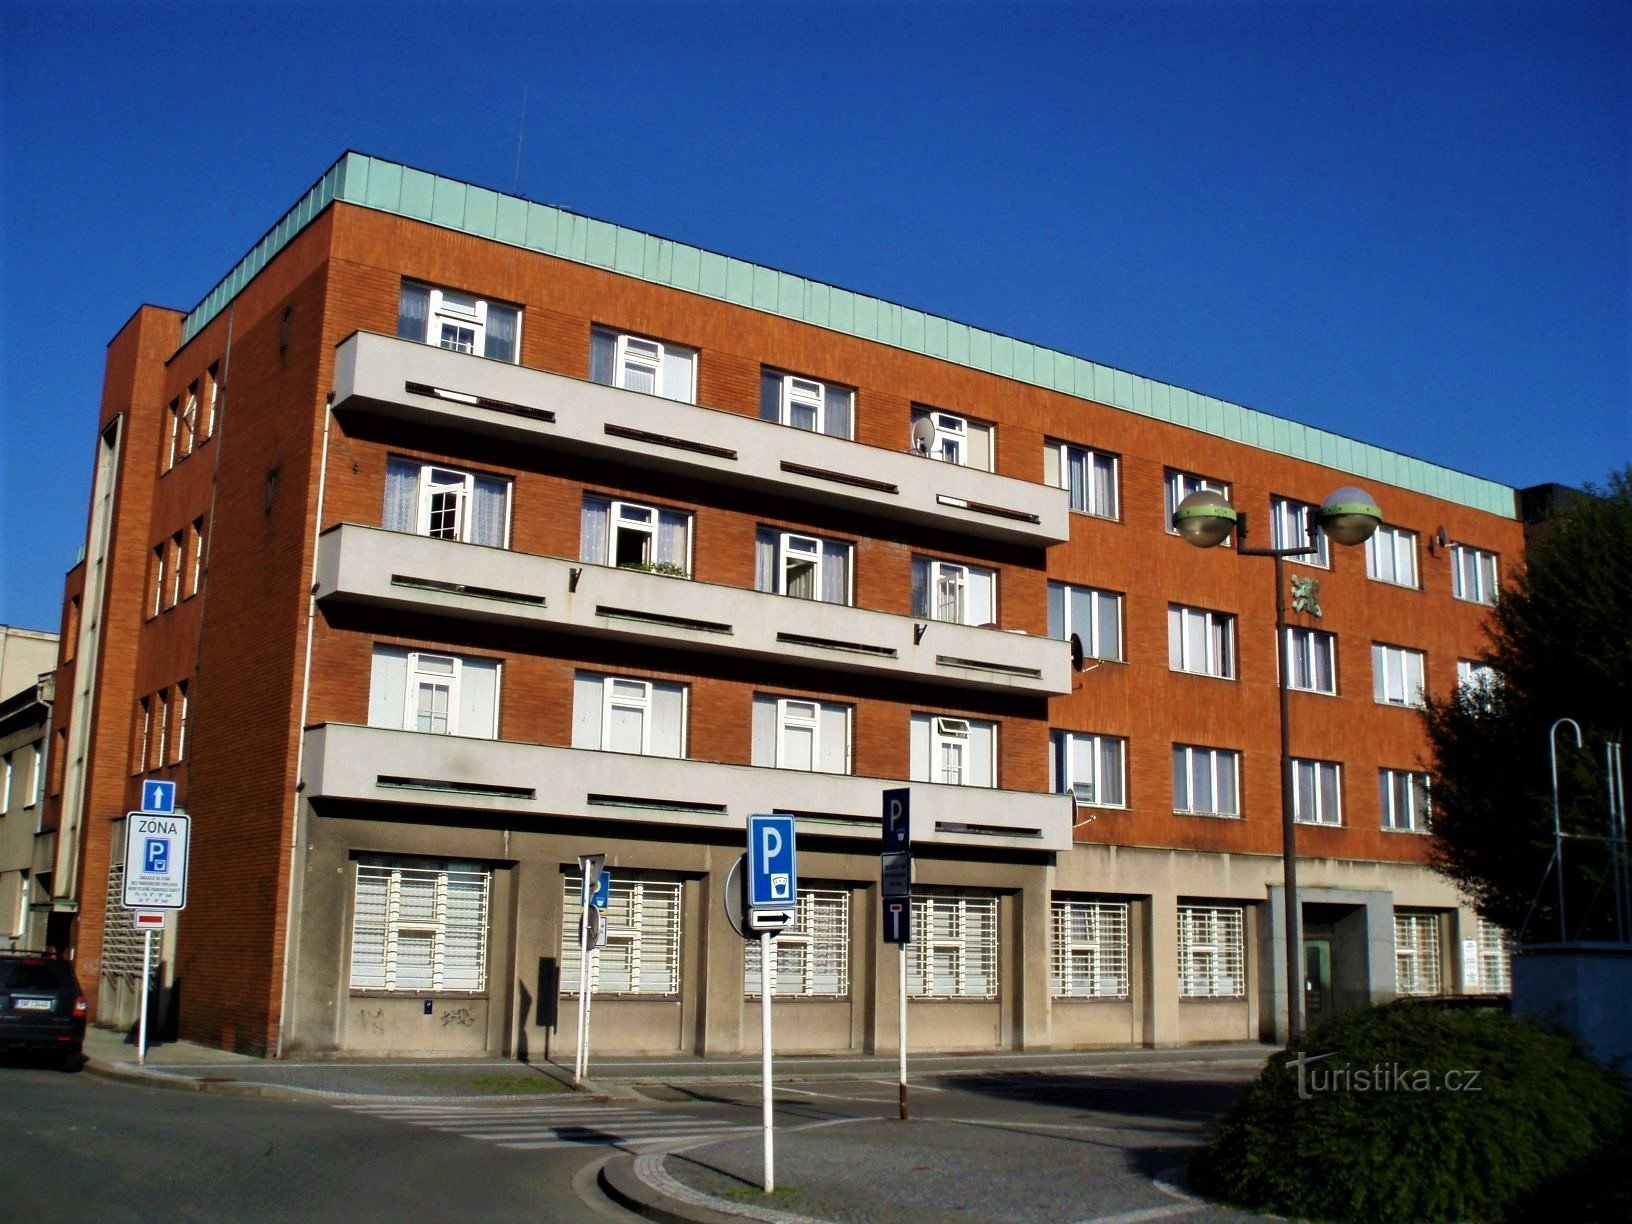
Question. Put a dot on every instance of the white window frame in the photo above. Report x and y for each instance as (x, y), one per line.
(1059, 456)
(36, 790)
(1179, 484)
(968, 943)
(1479, 680)
(1089, 953)
(1210, 664)
(809, 394)
(1397, 564)
(175, 432)
(443, 925)
(146, 706)
(178, 566)
(1290, 523)
(1416, 953)
(188, 428)
(161, 742)
(1484, 572)
(195, 540)
(644, 924)
(1219, 759)
(792, 547)
(1088, 791)
(5, 789)
(1398, 663)
(212, 399)
(1318, 812)
(1212, 952)
(1303, 649)
(446, 307)
(642, 703)
(418, 678)
(1092, 636)
(617, 524)
(953, 576)
(181, 721)
(462, 485)
(789, 714)
(629, 349)
(160, 551)
(812, 955)
(1414, 815)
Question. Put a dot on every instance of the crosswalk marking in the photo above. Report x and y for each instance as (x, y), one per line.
(537, 1125)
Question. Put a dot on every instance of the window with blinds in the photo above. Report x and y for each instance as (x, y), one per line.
(1090, 953)
(1212, 952)
(813, 955)
(121, 941)
(953, 953)
(642, 951)
(420, 926)
(1416, 953)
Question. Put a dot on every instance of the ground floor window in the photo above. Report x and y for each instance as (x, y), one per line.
(1495, 959)
(420, 925)
(1212, 952)
(813, 955)
(1090, 959)
(1416, 953)
(641, 955)
(953, 953)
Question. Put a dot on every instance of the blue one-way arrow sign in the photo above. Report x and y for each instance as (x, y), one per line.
(158, 798)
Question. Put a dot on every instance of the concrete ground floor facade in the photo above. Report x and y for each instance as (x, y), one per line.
(420, 932)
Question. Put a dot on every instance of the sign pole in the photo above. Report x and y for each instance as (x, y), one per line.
(141, 1021)
(902, 948)
(767, 987)
(583, 981)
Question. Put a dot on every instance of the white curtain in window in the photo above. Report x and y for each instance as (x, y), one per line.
(835, 572)
(677, 374)
(479, 698)
(413, 308)
(587, 692)
(592, 536)
(671, 537)
(388, 681)
(500, 342)
(982, 746)
(765, 542)
(764, 730)
(668, 720)
(836, 417)
(770, 396)
(1056, 611)
(1104, 485)
(401, 495)
(834, 756)
(921, 593)
(1076, 468)
(487, 526)
(980, 446)
(602, 353)
(919, 744)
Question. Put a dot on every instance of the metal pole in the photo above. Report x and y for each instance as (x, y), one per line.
(1558, 824)
(903, 1027)
(583, 980)
(1289, 828)
(767, 987)
(1617, 835)
(141, 1020)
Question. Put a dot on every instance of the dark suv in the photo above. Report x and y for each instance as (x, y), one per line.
(41, 1007)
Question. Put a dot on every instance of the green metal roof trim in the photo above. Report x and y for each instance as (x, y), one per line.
(405, 192)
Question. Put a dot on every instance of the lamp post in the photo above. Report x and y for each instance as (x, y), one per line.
(1347, 516)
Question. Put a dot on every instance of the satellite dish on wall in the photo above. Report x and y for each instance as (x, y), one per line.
(1076, 653)
(923, 435)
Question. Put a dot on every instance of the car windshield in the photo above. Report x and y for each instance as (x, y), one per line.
(28, 975)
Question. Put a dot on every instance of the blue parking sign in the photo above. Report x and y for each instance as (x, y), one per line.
(157, 855)
(773, 871)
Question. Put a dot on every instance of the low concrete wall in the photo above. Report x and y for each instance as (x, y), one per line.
(800, 1026)
(400, 1026)
(1094, 1022)
(1215, 1020)
(623, 1026)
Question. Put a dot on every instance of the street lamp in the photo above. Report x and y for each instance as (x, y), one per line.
(1347, 516)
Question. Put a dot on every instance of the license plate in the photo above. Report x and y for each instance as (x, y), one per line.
(33, 1004)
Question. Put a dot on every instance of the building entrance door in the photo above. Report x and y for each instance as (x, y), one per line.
(1317, 979)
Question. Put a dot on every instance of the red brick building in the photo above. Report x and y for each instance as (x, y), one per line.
(454, 536)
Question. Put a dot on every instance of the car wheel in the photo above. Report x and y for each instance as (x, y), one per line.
(71, 1061)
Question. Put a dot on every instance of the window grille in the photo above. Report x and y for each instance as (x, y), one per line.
(1212, 952)
(813, 955)
(1090, 954)
(953, 953)
(121, 941)
(420, 928)
(1495, 959)
(1416, 953)
(642, 951)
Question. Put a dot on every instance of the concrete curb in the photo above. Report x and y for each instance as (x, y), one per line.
(642, 1185)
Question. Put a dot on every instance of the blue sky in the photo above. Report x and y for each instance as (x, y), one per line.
(1405, 222)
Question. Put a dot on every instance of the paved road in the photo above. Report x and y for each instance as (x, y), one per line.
(77, 1147)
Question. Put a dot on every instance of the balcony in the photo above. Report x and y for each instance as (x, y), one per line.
(388, 569)
(378, 765)
(458, 391)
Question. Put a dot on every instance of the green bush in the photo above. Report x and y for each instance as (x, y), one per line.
(1376, 1134)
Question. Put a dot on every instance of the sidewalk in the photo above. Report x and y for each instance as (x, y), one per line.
(1042, 1167)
